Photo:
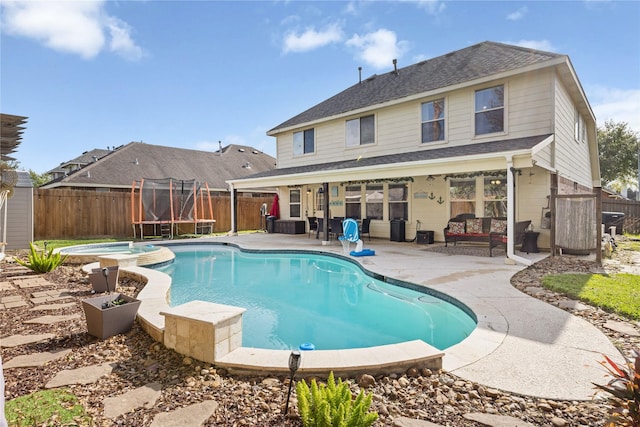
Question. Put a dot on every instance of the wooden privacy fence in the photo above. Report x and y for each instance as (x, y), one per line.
(631, 211)
(71, 214)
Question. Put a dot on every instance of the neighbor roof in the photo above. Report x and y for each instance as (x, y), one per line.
(138, 160)
(474, 62)
(82, 160)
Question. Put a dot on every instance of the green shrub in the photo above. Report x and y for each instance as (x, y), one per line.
(333, 405)
(624, 392)
(42, 262)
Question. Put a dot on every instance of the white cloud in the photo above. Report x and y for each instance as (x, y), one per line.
(379, 48)
(518, 14)
(433, 7)
(121, 42)
(615, 104)
(76, 27)
(312, 39)
(535, 44)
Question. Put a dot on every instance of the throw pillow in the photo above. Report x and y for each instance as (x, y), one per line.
(498, 226)
(474, 226)
(456, 227)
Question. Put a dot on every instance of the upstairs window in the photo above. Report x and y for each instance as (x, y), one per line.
(303, 142)
(433, 121)
(360, 131)
(489, 115)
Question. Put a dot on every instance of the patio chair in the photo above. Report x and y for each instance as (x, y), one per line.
(364, 228)
(335, 227)
(319, 226)
(313, 224)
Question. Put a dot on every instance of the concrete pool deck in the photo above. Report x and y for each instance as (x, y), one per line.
(521, 345)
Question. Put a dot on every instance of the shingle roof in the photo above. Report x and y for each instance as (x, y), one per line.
(474, 62)
(83, 159)
(138, 160)
(449, 153)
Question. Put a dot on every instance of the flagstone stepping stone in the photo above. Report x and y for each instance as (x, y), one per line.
(36, 282)
(410, 422)
(84, 375)
(10, 298)
(6, 286)
(622, 328)
(49, 319)
(145, 396)
(45, 299)
(191, 416)
(14, 304)
(35, 359)
(52, 293)
(497, 420)
(53, 306)
(16, 340)
(12, 301)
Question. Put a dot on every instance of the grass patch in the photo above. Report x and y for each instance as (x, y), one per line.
(46, 408)
(619, 293)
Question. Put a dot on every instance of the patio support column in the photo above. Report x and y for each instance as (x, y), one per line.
(511, 215)
(325, 224)
(234, 210)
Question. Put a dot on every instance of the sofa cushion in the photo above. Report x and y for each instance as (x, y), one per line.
(456, 227)
(474, 226)
(498, 225)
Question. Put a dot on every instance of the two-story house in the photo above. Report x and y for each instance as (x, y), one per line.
(488, 129)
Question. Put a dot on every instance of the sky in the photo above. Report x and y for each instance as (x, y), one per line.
(100, 74)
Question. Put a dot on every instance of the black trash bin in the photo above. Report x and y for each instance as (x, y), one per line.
(270, 223)
(610, 219)
(397, 230)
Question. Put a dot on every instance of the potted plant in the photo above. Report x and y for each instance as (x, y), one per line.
(100, 282)
(109, 314)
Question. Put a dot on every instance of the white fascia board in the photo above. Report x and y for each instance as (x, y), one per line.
(542, 145)
(435, 92)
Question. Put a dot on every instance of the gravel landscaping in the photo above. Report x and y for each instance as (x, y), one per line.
(439, 397)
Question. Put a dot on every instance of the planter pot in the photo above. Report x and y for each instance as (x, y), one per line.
(103, 323)
(101, 284)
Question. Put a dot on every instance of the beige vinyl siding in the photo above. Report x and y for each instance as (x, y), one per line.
(528, 109)
(571, 156)
(20, 219)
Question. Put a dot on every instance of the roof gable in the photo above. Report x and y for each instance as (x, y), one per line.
(474, 62)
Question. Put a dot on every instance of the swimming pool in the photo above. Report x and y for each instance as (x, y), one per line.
(306, 297)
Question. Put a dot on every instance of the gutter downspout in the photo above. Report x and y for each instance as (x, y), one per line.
(511, 216)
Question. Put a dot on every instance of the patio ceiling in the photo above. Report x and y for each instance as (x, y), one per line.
(10, 135)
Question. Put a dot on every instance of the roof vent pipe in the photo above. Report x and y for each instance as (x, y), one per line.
(220, 146)
(395, 66)
(359, 74)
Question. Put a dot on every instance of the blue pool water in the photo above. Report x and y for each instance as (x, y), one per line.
(296, 297)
